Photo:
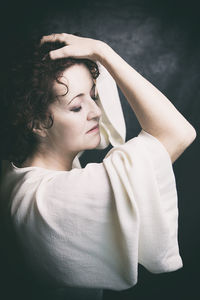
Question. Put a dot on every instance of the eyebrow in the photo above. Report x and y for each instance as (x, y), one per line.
(80, 95)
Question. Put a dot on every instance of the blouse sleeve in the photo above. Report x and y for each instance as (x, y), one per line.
(91, 227)
(143, 168)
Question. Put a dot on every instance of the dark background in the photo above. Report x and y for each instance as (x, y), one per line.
(161, 40)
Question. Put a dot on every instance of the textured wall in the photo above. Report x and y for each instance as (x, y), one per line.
(160, 39)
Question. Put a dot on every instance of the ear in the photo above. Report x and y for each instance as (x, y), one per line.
(38, 129)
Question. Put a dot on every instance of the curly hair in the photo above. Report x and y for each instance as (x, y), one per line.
(26, 96)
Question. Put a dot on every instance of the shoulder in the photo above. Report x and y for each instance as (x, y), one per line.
(79, 184)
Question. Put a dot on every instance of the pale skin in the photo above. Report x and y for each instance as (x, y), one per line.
(155, 113)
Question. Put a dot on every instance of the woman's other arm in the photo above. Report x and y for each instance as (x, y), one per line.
(155, 113)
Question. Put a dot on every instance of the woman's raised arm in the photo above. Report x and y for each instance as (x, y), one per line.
(155, 113)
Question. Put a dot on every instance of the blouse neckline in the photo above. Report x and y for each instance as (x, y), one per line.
(34, 167)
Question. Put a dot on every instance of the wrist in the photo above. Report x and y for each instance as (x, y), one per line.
(101, 51)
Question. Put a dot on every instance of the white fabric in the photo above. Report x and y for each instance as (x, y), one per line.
(91, 227)
(112, 124)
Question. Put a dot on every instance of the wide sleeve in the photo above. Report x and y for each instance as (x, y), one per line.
(141, 172)
(91, 227)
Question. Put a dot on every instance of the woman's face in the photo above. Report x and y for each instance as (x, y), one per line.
(74, 113)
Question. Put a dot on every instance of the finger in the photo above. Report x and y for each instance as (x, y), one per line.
(62, 37)
(60, 53)
(49, 38)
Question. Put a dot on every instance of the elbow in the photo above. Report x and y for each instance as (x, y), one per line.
(189, 136)
(182, 142)
(194, 135)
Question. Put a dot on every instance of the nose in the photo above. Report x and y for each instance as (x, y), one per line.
(94, 110)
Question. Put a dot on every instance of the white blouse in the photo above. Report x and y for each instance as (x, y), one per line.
(90, 227)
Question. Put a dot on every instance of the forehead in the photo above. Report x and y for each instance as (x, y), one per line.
(77, 78)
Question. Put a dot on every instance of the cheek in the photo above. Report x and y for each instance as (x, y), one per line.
(72, 127)
(68, 126)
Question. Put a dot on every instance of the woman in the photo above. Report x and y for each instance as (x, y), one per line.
(90, 227)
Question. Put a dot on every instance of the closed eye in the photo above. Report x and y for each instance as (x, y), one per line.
(77, 109)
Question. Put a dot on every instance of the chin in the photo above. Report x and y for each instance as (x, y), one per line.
(94, 144)
(98, 142)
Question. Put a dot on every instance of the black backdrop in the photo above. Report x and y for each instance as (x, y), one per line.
(160, 39)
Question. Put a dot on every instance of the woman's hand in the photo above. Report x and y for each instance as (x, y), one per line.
(76, 47)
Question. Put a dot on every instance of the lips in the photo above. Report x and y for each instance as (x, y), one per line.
(94, 127)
